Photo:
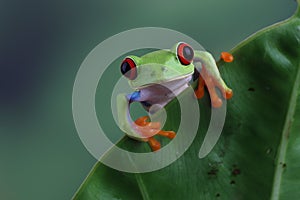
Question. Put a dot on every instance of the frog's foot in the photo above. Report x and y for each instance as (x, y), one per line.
(211, 83)
(226, 92)
(150, 129)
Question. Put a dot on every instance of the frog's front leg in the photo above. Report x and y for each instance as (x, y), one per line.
(210, 76)
(139, 129)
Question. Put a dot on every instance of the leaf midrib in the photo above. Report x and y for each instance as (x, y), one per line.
(282, 149)
(142, 187)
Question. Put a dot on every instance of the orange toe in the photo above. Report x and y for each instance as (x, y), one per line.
(227, 57)
(168, 134)
(154, 144)
(228, 94)
(171, 134)
(142, 121)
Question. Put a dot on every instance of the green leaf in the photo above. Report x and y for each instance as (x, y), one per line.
(258, 154)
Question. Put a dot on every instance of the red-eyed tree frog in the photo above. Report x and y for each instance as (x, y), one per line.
(158, 77)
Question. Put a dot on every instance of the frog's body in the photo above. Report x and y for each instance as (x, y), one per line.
(158, 77)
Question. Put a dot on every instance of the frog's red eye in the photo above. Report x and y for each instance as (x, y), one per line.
(185, 53)
(128, 68)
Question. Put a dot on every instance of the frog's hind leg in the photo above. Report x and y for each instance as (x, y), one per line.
(210, 84)
(199, 92)
(206, 79)
(215, 99)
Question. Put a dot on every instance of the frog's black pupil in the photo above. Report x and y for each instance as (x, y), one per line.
(125, 68)
(188, 53)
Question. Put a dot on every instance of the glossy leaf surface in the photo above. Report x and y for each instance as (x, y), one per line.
(258, 154)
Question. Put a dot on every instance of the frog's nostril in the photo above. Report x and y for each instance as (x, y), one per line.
(164, 69)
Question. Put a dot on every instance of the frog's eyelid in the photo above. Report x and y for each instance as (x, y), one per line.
(136, 59)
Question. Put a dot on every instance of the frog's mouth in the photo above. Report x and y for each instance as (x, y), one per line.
(171, 84)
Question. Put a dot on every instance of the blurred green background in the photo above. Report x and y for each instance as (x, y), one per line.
(43, 44)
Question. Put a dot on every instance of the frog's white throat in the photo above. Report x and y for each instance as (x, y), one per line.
(163, 93)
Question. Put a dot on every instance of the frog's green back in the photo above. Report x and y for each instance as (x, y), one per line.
(158, 67)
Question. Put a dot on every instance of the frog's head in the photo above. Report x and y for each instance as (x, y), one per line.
(159, 66)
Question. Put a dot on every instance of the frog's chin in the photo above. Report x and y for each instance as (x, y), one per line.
(169, 83)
